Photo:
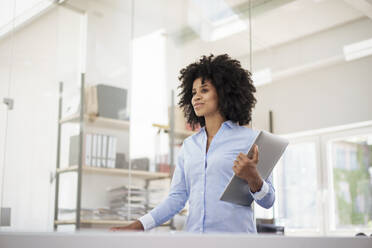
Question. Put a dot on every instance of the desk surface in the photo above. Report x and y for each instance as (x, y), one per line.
(177, 240)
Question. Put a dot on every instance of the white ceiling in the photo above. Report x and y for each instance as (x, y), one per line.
(288, 22)
(274, 21)
(300, 18)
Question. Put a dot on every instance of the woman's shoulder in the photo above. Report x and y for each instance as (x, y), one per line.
(244, 130)
(194, 136)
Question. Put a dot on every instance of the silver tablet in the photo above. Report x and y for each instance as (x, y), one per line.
(270, 149)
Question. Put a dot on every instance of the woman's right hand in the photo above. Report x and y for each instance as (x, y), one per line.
(134, 226)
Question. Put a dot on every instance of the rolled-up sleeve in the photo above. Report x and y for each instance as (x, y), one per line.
(266, 196)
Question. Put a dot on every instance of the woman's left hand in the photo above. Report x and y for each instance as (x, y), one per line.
(246, 168)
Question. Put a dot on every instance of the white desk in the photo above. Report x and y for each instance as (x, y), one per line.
(168, 240)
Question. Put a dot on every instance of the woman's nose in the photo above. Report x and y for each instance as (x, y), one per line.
(196, 97)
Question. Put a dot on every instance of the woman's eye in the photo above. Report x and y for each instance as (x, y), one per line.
(193, 93)
(204, 90)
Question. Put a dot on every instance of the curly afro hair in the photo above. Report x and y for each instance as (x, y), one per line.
(234, 86)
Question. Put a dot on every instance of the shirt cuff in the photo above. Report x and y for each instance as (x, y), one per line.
(147, 221)
(262, 193)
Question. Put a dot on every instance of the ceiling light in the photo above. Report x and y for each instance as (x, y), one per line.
(358, 50)
(228, 29)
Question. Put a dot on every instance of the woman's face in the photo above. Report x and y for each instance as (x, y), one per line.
(204, 98)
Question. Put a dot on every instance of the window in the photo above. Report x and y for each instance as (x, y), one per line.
(296, 187)
(324, 183)
(351, 186)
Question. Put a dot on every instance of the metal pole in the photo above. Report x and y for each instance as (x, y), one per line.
(250, 69)
(250, 37)
(56, 195)
(171, 130)
(132, 16)
(171, 143)
(81, 144)
(271, 125)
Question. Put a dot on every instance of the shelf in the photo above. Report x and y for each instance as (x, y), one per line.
(117, 172)
(178, 133)
(97, 121)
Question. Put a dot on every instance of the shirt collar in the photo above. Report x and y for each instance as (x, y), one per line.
(228, 123)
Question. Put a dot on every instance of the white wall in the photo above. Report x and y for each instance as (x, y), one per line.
(328, 97)
(313, 86)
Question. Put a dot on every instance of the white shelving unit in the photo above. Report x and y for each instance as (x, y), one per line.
(84, 122)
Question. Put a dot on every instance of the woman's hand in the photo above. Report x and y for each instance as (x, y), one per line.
(134, 226)
(246, 168)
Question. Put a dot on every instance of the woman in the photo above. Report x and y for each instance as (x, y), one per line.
(216, 93)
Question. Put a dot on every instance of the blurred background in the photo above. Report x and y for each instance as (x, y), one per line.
(89, 124)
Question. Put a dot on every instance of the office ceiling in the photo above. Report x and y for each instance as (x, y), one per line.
(275, 22)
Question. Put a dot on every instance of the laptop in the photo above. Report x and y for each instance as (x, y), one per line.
(270, 148)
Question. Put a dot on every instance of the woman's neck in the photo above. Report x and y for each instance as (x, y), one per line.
(213, 124)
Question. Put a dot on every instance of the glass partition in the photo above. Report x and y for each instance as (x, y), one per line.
(95, 164)
(67, 66)
(311, 61)
(168, 36)
(28, 45)
(90, 127)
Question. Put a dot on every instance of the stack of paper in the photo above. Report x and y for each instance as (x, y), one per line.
(128, 201)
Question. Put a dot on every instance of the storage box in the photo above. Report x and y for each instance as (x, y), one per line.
(112, 102)
(120, 161)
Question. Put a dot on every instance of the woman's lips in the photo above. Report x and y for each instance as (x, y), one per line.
(198, 105)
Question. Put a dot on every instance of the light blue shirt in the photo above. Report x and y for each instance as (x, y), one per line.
(201, 177)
